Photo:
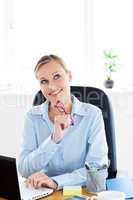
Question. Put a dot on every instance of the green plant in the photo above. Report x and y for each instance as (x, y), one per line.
(110, 63)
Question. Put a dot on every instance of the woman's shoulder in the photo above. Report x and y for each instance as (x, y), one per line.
(87, 108)
(83, 108)
(37, 110)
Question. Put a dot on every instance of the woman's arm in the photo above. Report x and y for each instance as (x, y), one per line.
(32, 157)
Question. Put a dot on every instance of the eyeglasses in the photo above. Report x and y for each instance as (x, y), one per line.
(61, 108)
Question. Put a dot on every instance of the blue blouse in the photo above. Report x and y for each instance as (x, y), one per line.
(64, 162)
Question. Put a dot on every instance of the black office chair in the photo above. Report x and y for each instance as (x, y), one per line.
(98, 98)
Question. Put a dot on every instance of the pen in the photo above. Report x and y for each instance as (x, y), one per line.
(89, 167)
(102, 167)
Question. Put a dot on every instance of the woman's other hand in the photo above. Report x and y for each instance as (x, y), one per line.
(40, 179)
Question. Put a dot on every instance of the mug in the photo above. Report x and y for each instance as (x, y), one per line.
(109, 195)
(96, 180)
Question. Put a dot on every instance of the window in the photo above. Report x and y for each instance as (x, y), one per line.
(76, 30)
(112, 29)
(38, 27)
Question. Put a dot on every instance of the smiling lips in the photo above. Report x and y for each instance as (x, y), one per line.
(54, 93)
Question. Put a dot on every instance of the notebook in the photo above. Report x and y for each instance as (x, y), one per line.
(14, 189)
(122, 184)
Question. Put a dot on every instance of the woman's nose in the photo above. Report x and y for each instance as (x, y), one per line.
(52, 87)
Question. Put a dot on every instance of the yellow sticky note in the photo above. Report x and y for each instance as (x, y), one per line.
(71, 190)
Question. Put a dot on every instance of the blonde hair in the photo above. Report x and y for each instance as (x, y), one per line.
(48, 58)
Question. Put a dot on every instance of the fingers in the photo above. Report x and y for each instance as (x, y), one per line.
(33, 180)
(63, 120)
(40, 179)
(57, 134)
(47, 183)
(41, 183)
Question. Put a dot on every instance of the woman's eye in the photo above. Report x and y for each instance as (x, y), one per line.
(57, 76)
(43, 82)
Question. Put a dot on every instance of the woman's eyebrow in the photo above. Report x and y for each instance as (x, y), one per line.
(54, 72)
(42, 78)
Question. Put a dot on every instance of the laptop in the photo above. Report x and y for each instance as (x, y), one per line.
(10, 187)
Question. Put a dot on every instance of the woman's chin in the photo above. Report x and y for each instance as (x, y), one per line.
(57, 98)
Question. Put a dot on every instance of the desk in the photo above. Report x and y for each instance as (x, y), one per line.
(58, 195)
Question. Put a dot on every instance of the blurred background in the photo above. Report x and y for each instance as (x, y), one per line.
(79, 31)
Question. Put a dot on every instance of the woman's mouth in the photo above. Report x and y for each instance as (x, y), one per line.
(54, 93)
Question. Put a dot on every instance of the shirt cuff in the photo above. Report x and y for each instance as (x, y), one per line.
(58, 187)
(60, 181)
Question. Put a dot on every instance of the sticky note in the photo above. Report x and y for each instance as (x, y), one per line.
(71, 190)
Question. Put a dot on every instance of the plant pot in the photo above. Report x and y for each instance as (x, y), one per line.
(109, 83)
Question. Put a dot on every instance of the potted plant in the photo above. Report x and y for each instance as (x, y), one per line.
(110, 66)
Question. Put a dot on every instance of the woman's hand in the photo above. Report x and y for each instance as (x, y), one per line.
(61, 122)
(40, 179)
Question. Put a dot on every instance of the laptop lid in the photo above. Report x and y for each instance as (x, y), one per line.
(9, 186)
(11, 189)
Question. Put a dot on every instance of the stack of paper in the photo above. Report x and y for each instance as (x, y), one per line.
(122, 184)
(71, 190)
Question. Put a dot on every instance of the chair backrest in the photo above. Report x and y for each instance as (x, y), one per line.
(98, 98)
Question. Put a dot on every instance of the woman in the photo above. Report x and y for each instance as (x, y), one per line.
(61, 134)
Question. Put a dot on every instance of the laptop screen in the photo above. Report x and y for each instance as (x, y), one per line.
(9, 186)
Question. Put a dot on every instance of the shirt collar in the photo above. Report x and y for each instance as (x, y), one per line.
(79, 107)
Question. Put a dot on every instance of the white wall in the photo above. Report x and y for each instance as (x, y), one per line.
(46, 27)
(13, 108)
(122, 102)
(112, 29)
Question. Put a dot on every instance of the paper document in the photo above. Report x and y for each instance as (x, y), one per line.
(122, 184)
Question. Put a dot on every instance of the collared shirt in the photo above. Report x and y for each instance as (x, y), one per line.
(85, 141)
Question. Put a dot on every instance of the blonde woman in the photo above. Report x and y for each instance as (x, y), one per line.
(61, 134)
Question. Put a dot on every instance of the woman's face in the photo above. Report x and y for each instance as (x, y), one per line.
(54, 82)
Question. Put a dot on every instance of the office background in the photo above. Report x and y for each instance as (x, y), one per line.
(78, 31)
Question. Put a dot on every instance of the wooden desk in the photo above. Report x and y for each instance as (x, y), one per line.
(58, 195)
